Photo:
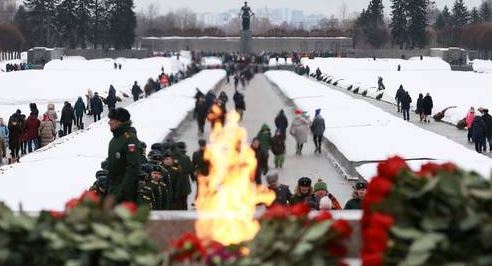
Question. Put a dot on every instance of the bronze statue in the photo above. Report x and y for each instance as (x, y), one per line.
(246, 14)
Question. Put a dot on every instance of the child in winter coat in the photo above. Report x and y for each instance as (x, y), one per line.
(469, 122)
(278, 148)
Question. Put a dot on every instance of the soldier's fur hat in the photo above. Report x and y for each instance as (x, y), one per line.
(120, 114)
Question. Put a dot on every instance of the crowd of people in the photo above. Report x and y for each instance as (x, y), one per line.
(479, 129)
(423, 108)
(9, 67)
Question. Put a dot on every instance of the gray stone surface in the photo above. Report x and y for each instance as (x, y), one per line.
(246, 42)
(263, 102)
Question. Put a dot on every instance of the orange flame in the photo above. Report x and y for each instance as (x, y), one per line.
(229, 192)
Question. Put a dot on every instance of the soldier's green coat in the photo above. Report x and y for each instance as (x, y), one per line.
(123, 164)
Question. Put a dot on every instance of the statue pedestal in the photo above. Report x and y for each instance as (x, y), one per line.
(246, 41)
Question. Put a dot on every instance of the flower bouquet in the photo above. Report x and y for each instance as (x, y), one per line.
(435, 216)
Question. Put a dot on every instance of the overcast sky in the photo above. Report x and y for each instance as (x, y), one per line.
(326, 7)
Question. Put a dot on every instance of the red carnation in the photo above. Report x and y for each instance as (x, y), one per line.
(276, 211)
(300, 210)
(378, 240)
(381, 220)
(391, 167)
(372, 259)
(187, 246)
(57, 215)
(337, 250)
(323, 216)
(90, 196)
(449, 167)
(72, 204)
(342, 227)
(130, 206)
(429, 169)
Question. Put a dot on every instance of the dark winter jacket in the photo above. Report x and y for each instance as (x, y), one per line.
(67, 115)
(427, 105)
(136, 90)
(282, 195)
(478, 129)
(239, 101)
(200, 165)
(97, 105)
(281, 122)
(420, 108)
(318, 126)
(405, 101)
(353, 204)
(15, 133)
(223, 97)
(487, 120)
(399, 94)
(79, 107)
(278, 145)
(31, 127)
(111, 101)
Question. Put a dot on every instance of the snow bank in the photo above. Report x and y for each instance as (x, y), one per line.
(431, 75)
(482, 66)
(66, 80)
(45, 179)
(211, 61)
(363, 132)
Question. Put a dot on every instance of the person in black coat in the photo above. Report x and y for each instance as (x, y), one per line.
(282, 192)
(67, 118)
(136, 91)
(427, 106)
(399, 94)
(97, 107)
(239, 103)
(405, 105)
(201, 111)
(420, 108)
(281, 122)
(261, 159)
(478, 133)
(487, 120)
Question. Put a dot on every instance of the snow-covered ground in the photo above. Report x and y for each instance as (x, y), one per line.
(430, 75)
(363, 132)
(66, 80)
(45, 179)
(482, 66)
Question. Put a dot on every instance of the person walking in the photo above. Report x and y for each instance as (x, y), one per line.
(420, 108)
(320, 191)
(260, 160)
(303, 191)
(223, 97)
(79, 109)
(67, 118)
(318, 129)
(487, 120)
(149, 87)
(4, 132)
(299, 130)
(15, 134)
(201, 111)
(239, 103)
(123, 157)
(31, 127)
(278, 149)
(478, 133)
(88, 98)
(47, 131)
(136, 91)
(97, 107)
(52, 115)
(281, 122)
(359, 194)
(399, 94)
(265, 138)
(405, 105)
(282, 192)
(111, 99)
(427, 106)
(470, 117)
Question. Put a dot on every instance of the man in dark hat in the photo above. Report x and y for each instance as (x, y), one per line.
(303, 191)
(123, 157)
(180, 186)
(360, 192)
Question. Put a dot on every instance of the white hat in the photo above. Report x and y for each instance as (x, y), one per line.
(325, 203)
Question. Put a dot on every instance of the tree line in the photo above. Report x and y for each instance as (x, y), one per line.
(77, 23)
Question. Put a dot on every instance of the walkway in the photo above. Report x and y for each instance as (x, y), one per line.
(444, 129)
(263, 102)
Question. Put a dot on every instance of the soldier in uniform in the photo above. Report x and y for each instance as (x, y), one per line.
(100, 185)
(123, 157)
(185, 166)
(145, 196)
(180, 191)
(159, 189)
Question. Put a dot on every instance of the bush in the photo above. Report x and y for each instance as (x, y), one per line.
(11, 39)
